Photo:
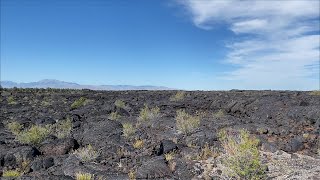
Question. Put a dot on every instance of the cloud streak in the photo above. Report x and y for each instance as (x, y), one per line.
(277, 42)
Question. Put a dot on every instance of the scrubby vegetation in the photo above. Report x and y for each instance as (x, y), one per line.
(86, 154)
(84, 176)
(11, 174)
(15, 127)
(242, 155)
(146, 115)
(114, 116)
(79, 102)
(128, 130)
(120, 104)
(34, 135)
(185, 122)
(138, 144)
(62, 128)
(219, 114)
(178, 96)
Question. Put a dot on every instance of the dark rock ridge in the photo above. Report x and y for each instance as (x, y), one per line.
(282, 120)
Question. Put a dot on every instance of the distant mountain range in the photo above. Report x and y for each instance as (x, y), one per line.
(52, 83)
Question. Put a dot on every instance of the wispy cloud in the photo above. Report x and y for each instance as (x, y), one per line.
(278, 41)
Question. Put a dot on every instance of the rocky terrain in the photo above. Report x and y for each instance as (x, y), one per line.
(107, 133)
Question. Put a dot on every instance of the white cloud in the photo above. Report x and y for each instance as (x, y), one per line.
(281, 48)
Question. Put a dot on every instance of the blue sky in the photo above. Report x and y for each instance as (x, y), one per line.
(186, 44)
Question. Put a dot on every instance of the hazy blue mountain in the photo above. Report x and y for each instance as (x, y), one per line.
(52, 83)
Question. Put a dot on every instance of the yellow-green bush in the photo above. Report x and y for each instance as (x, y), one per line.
(120, 104)
(128, 129)
(86, 154)
(147, 114)
(62, 128)
(15, 127)
(11, 100)
(242, 155)
(11, 174)
(78, 103)
(35, 135)
(178, 96)
(185, 122)
(84, 176)
(114, 116)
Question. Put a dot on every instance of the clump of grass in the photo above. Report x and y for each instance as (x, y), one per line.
(11, 100)
(15, 127)
(178, 96)
(219, 114)
(79, 102)
(11, 173)
(206, 152)
(147, 114)
(169, 156)
(132, 175)
(242, 155)
(84, 176)
(138, 144)
(185, 122)
(120, 104)
(128, 130)
(114, 116)
(62, 129)
(315, 93)
(35, 135)
(86, 154)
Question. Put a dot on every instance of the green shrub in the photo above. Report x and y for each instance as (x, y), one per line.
(219, 114)
(128, 130)
(242, 155)
(11, 100)
(120, 104)
(79, 102)
(84, 176)
(86, 154)
(185, 122)
(147, 114)
(35, 135)
(11, 174)
(62, 128)
(15, 127)
(114, 116)
(178, 96)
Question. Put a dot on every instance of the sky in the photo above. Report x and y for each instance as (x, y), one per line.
(185, 44)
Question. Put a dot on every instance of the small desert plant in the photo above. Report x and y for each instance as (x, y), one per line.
(86, 154)
(128, 130)
(79, 102)
(11, 174)
(206, 152)
(120, 104)
(84, 176)
(178, 96)
(62, 129)
(35, 135)
(114, 116)
(242, 155)
(15, 127)
(170, 155)
(219, 114)
(315, 93)
(186, 122)
(147, 114)
(138, 144)
(132, 175)
(11, 100)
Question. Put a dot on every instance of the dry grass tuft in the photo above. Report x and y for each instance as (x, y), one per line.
(86, 154)
(128, 130)
(185, 122)
(84, 176)
(178, 96)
